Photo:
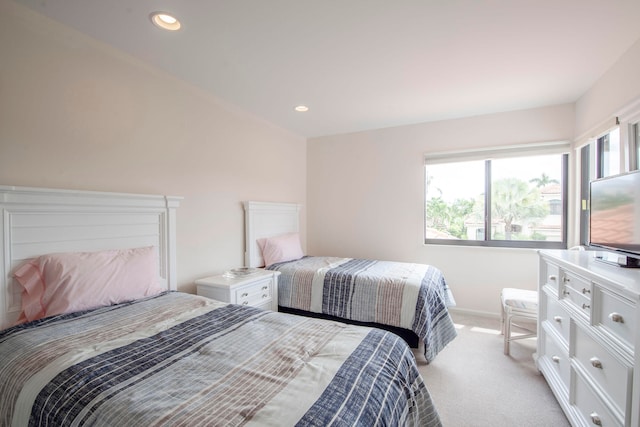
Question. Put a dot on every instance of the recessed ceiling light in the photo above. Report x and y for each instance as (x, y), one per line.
(165, 21)
(301, 108)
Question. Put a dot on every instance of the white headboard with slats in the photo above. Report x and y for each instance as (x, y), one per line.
(37, 221)
(267, 219)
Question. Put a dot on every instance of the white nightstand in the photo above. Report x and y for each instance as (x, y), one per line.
(257, 290)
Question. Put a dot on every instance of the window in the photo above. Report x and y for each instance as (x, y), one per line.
(585, 167)
(510, 199)
(636, 146)
(605, 155)
(608, 154)
(555, 207)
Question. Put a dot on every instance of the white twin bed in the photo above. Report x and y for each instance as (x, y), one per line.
(83, 343)
(409, 299)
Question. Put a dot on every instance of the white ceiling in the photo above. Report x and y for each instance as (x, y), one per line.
(367, 64)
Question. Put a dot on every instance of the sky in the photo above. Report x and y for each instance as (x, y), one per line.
(466, 179)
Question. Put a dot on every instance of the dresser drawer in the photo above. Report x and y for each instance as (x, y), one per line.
(592, 410)
(615, 316)
(557, 318)
(578, 283)
(577, 292)
(253, 294)
(558, 359)
(610, 373)
(551, 275)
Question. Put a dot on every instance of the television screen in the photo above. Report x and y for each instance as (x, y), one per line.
(615, 213)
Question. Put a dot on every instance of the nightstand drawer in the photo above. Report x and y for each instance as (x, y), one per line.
(259, 289)
(255, 293)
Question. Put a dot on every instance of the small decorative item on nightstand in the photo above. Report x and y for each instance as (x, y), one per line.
(246, 286)
(241, 272)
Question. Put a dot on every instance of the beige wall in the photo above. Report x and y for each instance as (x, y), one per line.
(78, 114)
(366, 190)
(617, 88)
(366, 195)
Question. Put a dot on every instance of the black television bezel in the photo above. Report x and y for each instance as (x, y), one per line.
(632, 258)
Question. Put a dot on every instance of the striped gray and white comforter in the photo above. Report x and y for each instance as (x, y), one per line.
(404, 295)
(179, 359)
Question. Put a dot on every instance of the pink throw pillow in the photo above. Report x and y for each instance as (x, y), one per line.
(281, 248)
(67, 282)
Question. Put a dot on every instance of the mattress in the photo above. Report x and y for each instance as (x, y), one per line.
(180, 359)
(412, 296)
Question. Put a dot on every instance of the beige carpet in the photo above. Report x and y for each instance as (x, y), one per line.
(474, 384)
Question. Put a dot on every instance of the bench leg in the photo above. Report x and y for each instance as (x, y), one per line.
(507, 333)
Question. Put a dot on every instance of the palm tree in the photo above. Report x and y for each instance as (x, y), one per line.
(543, 181)
(513, 199)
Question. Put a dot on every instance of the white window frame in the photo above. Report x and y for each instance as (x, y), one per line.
(545, 148)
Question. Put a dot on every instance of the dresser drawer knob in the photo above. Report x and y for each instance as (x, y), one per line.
(265, 296)
(565, 292)
(566, 280)
(553, 278)
(595, 418)
(585, 306)
(244, 294)
(245, 303)
(555, 359)
(616, 317)
(264, 288)
(557, 319)
(595, 362)
(586, 291)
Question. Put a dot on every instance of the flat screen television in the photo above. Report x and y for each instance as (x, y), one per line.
(614, 219)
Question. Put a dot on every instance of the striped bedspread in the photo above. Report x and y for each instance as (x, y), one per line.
(405, 295)
(179, 359)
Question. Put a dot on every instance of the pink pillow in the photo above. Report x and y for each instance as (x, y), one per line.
(280, 248)
(66, 282)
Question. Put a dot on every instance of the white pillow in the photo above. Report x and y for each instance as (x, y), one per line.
(285, 247)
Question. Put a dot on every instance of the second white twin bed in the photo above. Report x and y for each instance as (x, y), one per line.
(409, 299)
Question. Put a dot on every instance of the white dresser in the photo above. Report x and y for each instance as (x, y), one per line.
(588, 330)
(257, 290)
